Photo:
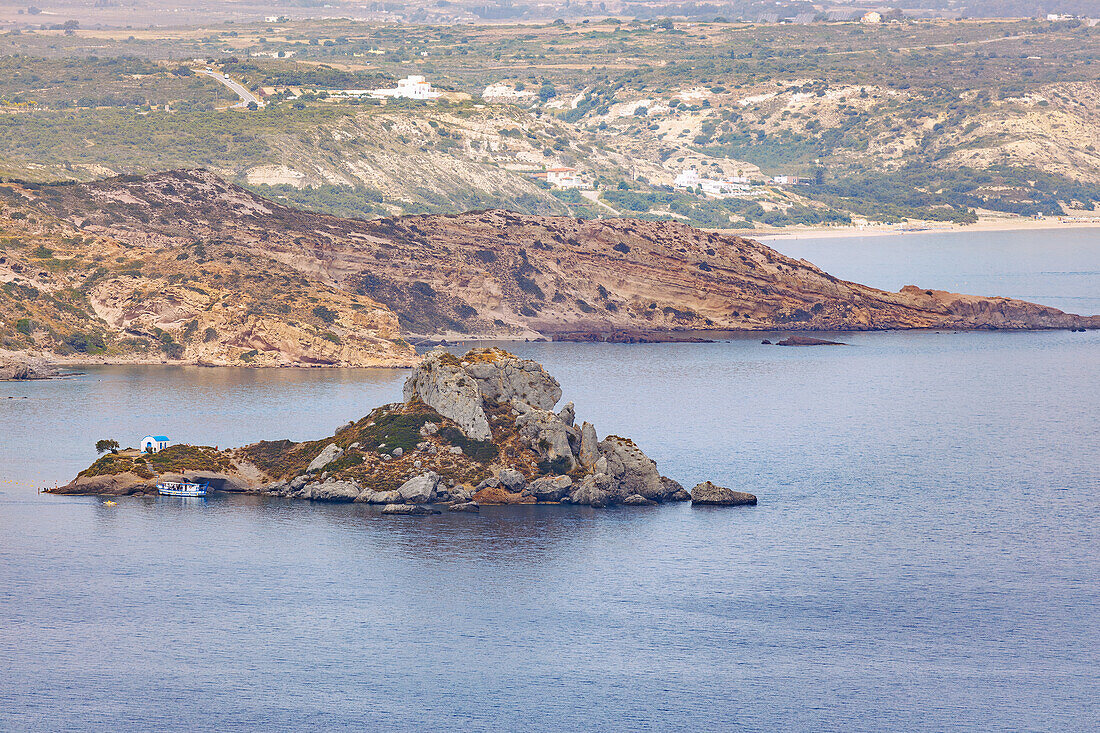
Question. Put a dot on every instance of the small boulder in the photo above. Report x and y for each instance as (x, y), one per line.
(370, 496)
(500, 495)
(419, 490)
(512, 480)
(672, 488)
(638, 500)
(549, 488)
(398, 452)
(708, 493)
(462, 493)
(409, 509)
(329, 454)
(330, 490)
(465, 506)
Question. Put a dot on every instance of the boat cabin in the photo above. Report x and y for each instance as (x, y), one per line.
(153, 443)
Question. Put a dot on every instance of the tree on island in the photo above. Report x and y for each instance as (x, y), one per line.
(102, 446)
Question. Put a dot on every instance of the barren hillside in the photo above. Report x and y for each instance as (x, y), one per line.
(500, 274)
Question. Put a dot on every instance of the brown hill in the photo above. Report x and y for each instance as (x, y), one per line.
(496, 273)
(91, 296)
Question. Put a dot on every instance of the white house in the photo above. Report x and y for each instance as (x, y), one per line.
(562, 177)
(412, 87)
(871, 18)
(153, 443)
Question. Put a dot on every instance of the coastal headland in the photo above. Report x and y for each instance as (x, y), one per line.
(182, 267)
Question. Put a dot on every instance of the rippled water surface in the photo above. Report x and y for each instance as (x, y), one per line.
(923, 557)
(1058, 267)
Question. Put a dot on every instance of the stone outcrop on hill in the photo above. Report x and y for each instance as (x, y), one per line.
(473, 430)
(489, 273)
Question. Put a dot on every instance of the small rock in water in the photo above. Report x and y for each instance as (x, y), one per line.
(465, 506)
(409, 509)
(766, 342)
(807, 341)
(638, 500)
(709, 493)
(398, 452)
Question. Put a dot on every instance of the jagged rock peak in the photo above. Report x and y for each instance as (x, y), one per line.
(455, 388)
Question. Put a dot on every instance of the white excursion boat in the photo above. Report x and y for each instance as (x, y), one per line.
(181, 488)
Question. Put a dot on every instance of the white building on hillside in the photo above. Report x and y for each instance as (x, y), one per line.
(562, 177)
(727, 187)
(153, 443)
(412, 87)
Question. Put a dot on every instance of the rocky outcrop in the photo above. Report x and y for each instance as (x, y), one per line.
(441, 383)
(707, 493)
(588, 452)
(504, 378)
(429, 450)
(19, 368)
(419, 490)
(331, 490)
(551, 437)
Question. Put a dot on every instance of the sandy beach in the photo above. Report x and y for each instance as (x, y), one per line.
(985, 225)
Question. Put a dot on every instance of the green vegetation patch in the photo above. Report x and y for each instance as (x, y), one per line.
(179, 458)
(398, 429)
(482, 451)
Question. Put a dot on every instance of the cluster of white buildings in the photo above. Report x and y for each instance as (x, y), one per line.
(731, 185)
(725, 187)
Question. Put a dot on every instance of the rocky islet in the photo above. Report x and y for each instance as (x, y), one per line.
(472, 431)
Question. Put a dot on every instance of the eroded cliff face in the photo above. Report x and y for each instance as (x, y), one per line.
(499, 274)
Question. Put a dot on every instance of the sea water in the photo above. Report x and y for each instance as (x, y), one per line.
(924, 555)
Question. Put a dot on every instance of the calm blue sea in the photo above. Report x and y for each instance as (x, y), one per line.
(924, 555)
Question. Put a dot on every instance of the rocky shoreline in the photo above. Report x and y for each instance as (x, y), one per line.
(21, 368)
(472, 431)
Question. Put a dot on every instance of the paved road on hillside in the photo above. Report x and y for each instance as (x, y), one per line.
(239, 89)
